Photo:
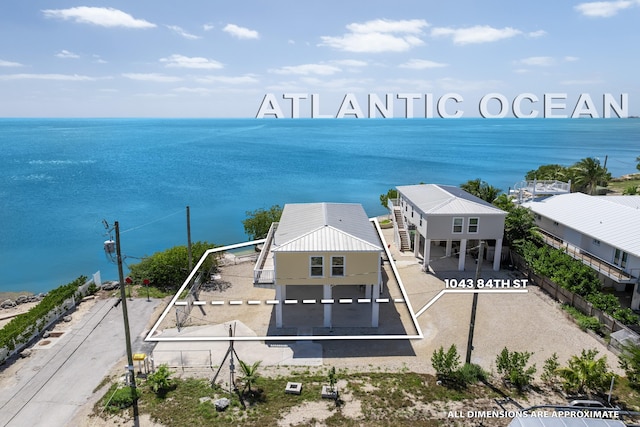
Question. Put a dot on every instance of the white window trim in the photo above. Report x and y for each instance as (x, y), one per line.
(453, 225)
(477, 225)
(311, 266)
(344, 266)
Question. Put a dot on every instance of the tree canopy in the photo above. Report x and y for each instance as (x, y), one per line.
(392, 193)
(481, 189)
(585, 175)
(258, 222)
(170, 268)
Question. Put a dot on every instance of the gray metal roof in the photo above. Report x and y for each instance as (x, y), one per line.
(609, 219)
(564, 422)
(437, 199)
(325, 227)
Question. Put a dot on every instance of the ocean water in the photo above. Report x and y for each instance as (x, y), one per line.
(60, 178)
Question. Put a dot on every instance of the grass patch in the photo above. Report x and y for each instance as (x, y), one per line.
(620, 185)
(386, 399)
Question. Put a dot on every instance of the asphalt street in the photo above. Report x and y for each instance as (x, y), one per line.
(57, 380)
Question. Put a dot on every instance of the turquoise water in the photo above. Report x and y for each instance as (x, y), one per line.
(59, 178)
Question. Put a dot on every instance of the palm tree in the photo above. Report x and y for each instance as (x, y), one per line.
(586, 373)
(589, 173)
(249, 373)
(481, 189)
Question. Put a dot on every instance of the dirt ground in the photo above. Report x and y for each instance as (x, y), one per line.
(529, 321)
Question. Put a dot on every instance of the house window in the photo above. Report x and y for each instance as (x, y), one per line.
(473, 225)
(537, 216)
(420, 220)
(620, 258)
(337, 266)
(317, 267)
(458, 223)
(555, 223)
(596, 242)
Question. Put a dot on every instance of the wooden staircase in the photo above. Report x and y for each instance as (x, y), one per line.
(405, 243)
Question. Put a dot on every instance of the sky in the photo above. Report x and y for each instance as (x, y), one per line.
(249, 58)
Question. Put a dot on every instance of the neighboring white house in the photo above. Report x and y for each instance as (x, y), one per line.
(602, 231)
(446, 213)
(326, 244)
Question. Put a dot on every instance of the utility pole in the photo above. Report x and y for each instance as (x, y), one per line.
(474, 305)
(189, 239)
(125, 314)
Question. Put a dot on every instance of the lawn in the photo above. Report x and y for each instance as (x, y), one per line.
(381, 399)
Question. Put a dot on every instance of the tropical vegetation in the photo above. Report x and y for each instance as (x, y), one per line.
(586, 175)
(169, 269)
(481, 189)
(257, 222)
(21, 327)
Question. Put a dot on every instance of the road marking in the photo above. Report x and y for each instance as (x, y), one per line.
(309, 301)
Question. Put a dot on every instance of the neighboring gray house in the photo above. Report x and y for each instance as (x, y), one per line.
(321, 244)
(449, 214)
(602, 231)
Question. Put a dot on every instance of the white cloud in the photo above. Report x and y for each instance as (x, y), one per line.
(183, 33)
(604, 9)
(350, 63)
(476, 34)
(571, 58)
(65, 54)
(378, 36)
(101, 16)
(56, 77)
(208, 27)
(9, 64)
(422, 64)
(152, 77)
(234, 80)
(411, 26)
(181, 61)
(536, 34)
(307, 69)
(581, 82)
(538, 61)
(240, 32)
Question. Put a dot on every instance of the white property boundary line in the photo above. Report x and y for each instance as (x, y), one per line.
(414, 315)
(151, 337)
(468, 291)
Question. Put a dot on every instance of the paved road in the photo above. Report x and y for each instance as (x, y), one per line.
(56, 381)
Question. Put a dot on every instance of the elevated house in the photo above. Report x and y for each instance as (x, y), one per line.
(601, 231)
(428, 214)
(321, 244)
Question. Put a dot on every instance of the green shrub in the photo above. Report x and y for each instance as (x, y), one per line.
(123, 398)
(470, 373)
(513, 368)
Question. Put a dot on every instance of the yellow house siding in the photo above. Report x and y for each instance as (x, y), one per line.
(360, 268)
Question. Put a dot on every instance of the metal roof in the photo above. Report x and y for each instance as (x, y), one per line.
(437, 199)
(564, 422)
(325, 227)
(609, 219)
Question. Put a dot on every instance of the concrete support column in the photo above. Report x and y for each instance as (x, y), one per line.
(447, 250)
(497, 255)
(367, 291)
(416, 244)
(427, 254)
(326, 295)
(463, 254)
(635, 299)
(375, 306)
(280, 297)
